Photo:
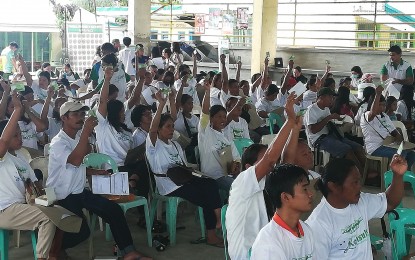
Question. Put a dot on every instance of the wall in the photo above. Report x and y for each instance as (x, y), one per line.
(312, 61)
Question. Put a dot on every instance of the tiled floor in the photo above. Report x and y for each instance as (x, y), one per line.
(182, 250)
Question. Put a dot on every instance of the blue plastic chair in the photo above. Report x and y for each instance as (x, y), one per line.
(4, 244)
(403, 234)
(274, 119)
(97, 161)
(241, 144)
(223, 220)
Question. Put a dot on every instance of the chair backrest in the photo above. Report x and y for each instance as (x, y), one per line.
(99, 160)
(197, 155)
(274, 119)
(25, 153)
(46, 149)
(401, 126)
(223, 220)
(41, 163)
(241, 144)
(267, 139)
(408, 177)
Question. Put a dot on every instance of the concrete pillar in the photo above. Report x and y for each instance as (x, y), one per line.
(139, 22)
(264, 33)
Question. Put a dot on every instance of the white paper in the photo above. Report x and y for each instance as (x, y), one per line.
(48, 199)
(115, 184)
(391, 90)
(298, 89)
(400, 149)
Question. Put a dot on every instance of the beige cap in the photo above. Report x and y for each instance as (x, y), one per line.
(71, 106)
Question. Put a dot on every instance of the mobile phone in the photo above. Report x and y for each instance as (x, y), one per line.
(301, 112)
(292, 57)
(207, 77)
(142, 66)
(239, 58)
(55, 85)
(92, 113)
(327, 62)
(268, 55)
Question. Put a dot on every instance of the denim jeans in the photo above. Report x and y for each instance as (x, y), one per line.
(385, 151)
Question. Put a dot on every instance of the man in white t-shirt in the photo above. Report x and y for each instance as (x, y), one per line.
(286, 236)
(67, 175)
(397, 69)
(247, 212)
(14, 212)
(340, 222)
(126, 56)
(316, 122)
(237, 126)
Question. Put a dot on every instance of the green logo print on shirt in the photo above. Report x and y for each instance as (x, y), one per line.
(237, 133)
(354, 239)
(309, 256)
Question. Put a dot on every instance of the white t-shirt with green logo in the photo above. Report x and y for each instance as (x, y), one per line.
(111, 142)
(344, 233)
(29, 134)
(12, 188)
(373, 130)
(161, 157)
(235, 130)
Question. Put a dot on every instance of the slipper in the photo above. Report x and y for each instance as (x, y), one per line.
(200, 240)
(219, 245)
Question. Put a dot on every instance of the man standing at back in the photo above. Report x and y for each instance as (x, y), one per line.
(9, 58)
(126, 56)
(397, 69)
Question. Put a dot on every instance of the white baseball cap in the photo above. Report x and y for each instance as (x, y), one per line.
(72, 106)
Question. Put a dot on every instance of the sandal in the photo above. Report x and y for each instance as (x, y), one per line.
(200, 240)
(219, 245)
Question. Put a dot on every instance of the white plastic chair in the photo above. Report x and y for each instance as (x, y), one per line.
(41, 163)
(267, 139)
(399, 125)
(46, 150)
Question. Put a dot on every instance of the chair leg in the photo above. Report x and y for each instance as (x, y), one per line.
(34, 243)
(4, 244)
(171, 217)
(16, 238)
(153, 208)
(108, 234)
(148, 225)
(383, 169)
(365, 171)
(202, 222)
(101, 224)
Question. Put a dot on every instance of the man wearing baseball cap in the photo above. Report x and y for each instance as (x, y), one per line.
(317, 120)
(67, 176)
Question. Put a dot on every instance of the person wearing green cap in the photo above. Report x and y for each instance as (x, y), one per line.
(317, 120)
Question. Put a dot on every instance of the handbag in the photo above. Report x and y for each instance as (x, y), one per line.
(335, 130)
(180, 174)
(192, 136)
(31, 191)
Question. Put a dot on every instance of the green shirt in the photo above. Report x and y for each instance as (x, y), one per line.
(386, 68)
(9, 55)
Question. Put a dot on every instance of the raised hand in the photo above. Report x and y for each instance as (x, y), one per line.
(379, 89)
(16, 101)
(6, 87)
(90, 123)
(109, 71)
(398, 165)
(290, 65)
(51, 91)
(328, 68)
(172, 94)
(222, 58)
(141, 73)
(239, 64)
(289, 107)
(159, 97)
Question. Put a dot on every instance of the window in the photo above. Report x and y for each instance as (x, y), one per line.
(181, 36)
(153, 35)
(164, 35)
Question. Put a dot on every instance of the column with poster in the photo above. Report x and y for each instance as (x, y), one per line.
(83, 40)
(200, 24)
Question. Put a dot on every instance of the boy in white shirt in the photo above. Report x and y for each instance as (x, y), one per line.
(286, 236)
(237, 126)
(67, 175)
(247, 212)
(340, 222)
(14, 212)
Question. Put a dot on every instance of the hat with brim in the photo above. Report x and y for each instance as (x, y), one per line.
(72, 106)
(326, 92)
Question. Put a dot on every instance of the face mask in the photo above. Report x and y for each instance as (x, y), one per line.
(354, 76)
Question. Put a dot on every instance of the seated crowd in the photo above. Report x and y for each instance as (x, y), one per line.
(150, 114)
